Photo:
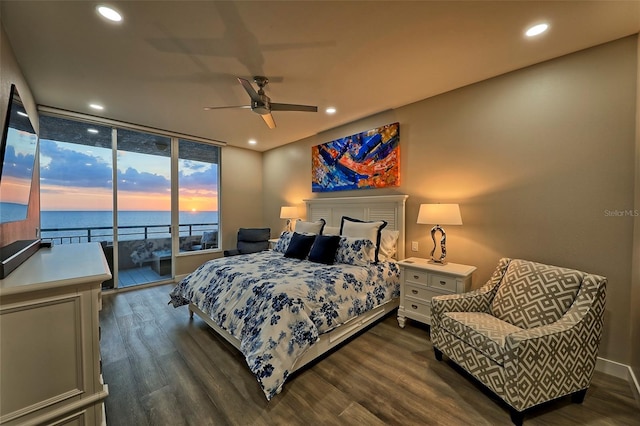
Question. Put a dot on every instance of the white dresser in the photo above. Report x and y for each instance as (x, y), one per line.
(49, 338)
(421, 280)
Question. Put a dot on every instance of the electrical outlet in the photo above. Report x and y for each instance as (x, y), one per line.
(414, 246)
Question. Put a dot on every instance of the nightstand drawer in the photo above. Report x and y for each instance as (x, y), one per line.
(420, 292)
(416, 276)
(421, 280)
(416, 307)
(442, 283)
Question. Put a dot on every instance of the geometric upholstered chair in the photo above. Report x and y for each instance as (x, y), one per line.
(530, 334)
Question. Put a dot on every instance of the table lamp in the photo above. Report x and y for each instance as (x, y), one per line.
(439, 214)
(288, 212)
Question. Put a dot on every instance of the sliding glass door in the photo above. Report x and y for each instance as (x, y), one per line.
(143, 189)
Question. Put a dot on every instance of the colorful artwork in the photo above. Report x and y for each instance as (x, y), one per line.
(365, 160)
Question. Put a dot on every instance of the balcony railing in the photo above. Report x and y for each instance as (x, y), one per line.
(130, 239)
(125, 233)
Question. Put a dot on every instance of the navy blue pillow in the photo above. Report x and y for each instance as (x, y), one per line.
(299, 246)
(324, 249)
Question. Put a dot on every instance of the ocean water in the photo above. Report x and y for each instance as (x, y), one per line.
(11, 212)
(75, 226)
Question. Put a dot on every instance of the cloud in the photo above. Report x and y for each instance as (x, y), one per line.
(204, 177)
(17, 165)
(133, 180)
(70, 168)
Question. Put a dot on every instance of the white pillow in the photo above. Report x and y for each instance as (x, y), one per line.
(303, 227)
(331, 230)
(388, 244)
(360, 229)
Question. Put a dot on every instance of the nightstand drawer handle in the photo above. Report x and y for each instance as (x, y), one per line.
(415, 277)
(414, 306)
(443, 283)
(414, 291)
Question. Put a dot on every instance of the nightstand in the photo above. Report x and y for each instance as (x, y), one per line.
(272, 243)
(421, 280)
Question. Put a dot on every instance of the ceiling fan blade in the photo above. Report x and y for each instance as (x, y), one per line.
(226, 107)
(250, 90)
(293, 107)
(268, 119)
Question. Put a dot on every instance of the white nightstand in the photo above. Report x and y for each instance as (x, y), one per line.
(421, 280)
(272, 243)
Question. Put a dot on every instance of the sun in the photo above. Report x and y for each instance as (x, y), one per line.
(193, 209)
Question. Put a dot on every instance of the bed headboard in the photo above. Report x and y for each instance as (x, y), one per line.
(390, 208)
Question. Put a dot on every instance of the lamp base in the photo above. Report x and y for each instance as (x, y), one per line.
(443, 246)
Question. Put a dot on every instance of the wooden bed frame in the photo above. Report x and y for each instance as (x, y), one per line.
(390, 208)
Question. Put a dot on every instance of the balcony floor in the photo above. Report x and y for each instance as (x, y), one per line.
(136, 276)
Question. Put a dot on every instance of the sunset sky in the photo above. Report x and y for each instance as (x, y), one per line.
(79, 177)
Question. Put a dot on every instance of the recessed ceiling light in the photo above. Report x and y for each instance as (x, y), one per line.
(252, 142)
(536, 29)
(97, 107)
(94, 131)
(330, 110)
(109, 13)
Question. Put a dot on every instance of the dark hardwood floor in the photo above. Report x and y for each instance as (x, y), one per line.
(164, 369)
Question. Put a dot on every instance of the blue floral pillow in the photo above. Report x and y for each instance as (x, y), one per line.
(356, 251)
(283, 242)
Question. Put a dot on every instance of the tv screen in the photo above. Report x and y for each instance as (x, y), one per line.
(17, 155)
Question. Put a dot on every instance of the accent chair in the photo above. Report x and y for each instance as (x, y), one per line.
(251, 240)
(530, 334)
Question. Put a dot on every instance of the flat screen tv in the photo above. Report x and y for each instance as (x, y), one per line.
(17, 160)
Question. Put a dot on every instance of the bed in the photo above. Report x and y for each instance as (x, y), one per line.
(283, 312)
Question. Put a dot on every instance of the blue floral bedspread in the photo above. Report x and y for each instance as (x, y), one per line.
(277, 307)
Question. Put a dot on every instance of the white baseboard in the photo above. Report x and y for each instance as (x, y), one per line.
(621, 371)
(613, 368)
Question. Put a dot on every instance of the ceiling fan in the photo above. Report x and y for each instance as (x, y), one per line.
(261, 104)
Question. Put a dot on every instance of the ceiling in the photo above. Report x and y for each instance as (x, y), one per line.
(167, 60)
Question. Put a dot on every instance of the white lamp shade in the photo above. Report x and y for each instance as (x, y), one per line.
(439, 214)
(288, 212)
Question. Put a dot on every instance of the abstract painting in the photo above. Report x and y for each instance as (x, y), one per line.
(366, 160)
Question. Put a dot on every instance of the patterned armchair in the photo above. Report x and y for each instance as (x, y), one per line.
(530, 334)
